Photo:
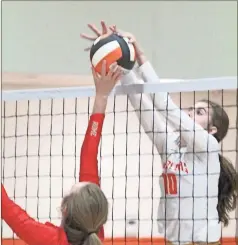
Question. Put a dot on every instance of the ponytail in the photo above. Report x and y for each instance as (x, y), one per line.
(84, 212)
(227, 190)
(92, 239)
(78, 237)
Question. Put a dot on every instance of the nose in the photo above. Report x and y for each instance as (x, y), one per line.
(190, 113)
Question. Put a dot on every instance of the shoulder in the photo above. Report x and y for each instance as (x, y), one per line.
(210, 154)
(212, 144)
(60, 235)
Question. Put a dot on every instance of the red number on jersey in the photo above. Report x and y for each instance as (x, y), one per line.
(170, 184)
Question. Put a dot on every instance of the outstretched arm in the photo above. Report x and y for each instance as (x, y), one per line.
(197, 138)
(89, 150)
(88, 161)
(26, 228)
(149, 119)
(153, 124)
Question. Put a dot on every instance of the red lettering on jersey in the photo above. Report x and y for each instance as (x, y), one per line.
(181, 166)
(185, 168)
(170, 179)
(94, 129)
(170, 184)
(168, 165)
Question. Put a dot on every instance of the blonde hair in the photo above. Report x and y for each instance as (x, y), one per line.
(86, 211)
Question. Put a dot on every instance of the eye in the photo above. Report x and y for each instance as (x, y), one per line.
(200, 111)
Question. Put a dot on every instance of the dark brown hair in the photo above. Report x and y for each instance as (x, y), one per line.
(85, 211)
(228, 180)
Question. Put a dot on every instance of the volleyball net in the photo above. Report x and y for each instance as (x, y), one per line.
(42, 134)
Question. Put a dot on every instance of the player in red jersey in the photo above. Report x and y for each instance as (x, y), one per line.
(85, 208)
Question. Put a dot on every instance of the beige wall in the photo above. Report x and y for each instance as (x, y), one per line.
(184, 39)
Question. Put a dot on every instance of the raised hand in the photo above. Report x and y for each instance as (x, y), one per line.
(105, 82)
(141, 59)
(104, 31)
(131, 37)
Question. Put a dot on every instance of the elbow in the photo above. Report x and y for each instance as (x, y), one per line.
(208, 145)
(213, 145)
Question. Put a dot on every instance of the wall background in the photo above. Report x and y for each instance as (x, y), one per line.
(182, 39)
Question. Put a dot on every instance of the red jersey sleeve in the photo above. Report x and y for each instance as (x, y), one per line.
(89, 153)
(26, 228)
(89, 150)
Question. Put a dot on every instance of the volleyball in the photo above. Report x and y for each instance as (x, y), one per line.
(112, 48)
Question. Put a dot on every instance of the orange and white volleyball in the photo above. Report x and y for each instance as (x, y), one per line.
(112, 48)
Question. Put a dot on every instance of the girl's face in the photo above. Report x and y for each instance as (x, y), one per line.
(201, 113)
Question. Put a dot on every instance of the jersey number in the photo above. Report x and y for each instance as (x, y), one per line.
(170, 184)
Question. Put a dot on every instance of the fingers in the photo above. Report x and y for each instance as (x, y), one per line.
(117, 74)
(112, 69)
(94, 29)
(87, 49)
(104, 69)
(104, 27)
(113, 28)
(88, 37)
(120, 33)
(132, 40)
(95, 75)
(114, 73)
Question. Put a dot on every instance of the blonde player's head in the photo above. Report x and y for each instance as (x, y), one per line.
(85, 211)
(212, 117)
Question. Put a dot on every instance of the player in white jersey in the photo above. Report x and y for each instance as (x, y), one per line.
(198, 185)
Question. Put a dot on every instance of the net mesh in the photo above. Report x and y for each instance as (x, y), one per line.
(41, 141)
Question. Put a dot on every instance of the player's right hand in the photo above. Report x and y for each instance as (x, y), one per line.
(131, 39)
(104, 31)
(105, 82)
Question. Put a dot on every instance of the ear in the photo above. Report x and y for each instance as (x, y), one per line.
(213, 130)
(63, 210)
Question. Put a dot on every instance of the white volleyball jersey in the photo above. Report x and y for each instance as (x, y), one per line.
(189, 183)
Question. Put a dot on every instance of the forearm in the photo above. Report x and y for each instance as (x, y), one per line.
(100, 104)
(140, 55)
(89, 150)
(23, 225)
(141, 59)
(149, 118)
(192, 133)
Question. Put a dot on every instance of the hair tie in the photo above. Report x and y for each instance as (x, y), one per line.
(91, 232)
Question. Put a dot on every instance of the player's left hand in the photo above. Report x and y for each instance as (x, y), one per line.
(130, 36)
(104, 31)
